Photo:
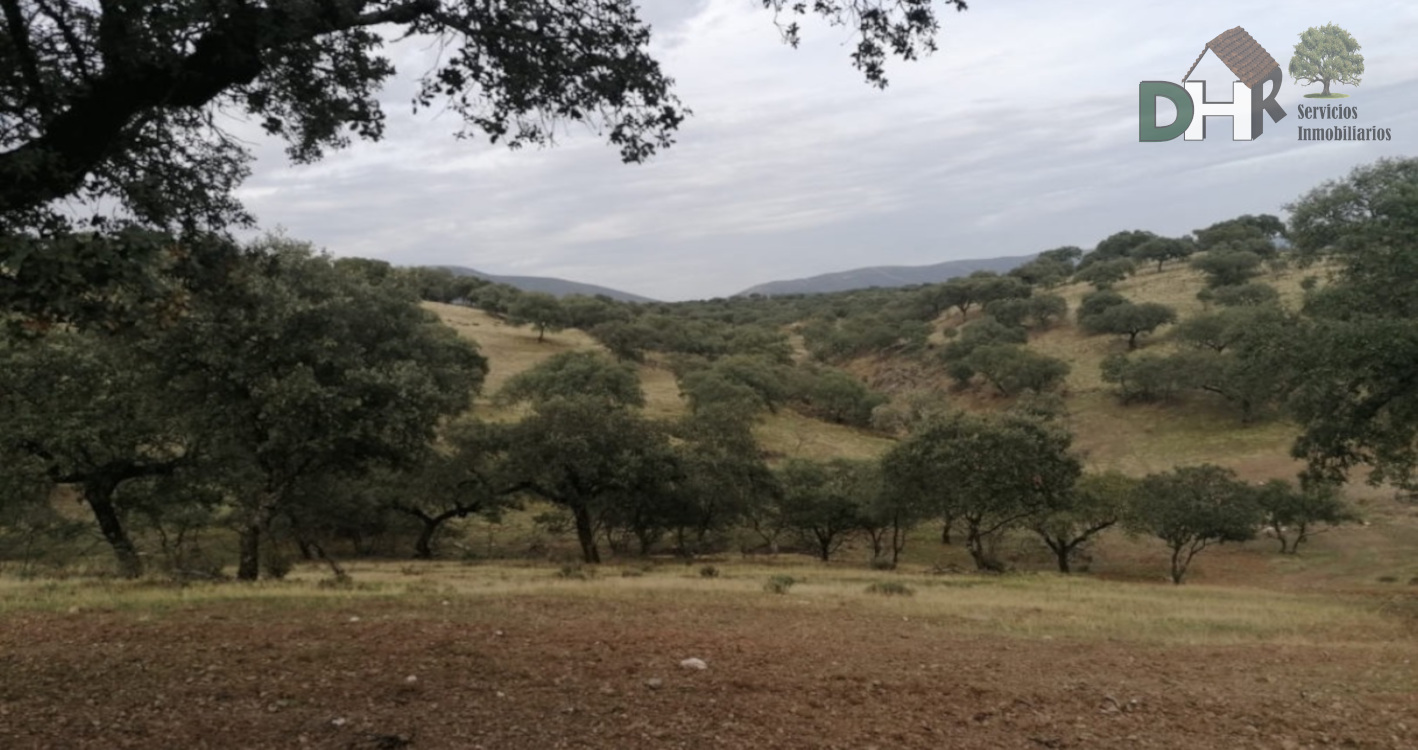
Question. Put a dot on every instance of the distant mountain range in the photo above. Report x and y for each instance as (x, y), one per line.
(558, 287)
(841, 281)
(887, 276)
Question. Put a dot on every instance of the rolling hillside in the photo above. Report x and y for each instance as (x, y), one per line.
(511, 349)
(1135, 439)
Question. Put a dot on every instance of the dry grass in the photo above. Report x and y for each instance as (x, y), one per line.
(509, 349)
(791, 435)
(1024, 606)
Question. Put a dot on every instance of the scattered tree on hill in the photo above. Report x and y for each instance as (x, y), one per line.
(1259, 363)
(1104, 274)
(823, 502)
(1326, 54)
(710, 392)
(724, 480)
(1050, 268)
(1214, 331)
(1094, 303)
(1116, 245)
(575, 374)
(1043, 272)
(836, 396)
(863, 334)
(467, 479)
(1255, 233)
(586, 453)
(1292, 513)
(1146, 377)
(909, 410)
(496, 299)
(539, 310)
(1163, 249)
(1097, 502)
(1192, 508)
(990, 472)
(888, 518)
(1068, 254)
(627, 340)
(1130, 319)
(1228, 267)
(1039, 311)
(586, 312)
(978, 288)
(1012, 369)
(984, 332)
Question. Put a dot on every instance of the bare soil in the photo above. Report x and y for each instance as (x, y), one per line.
(553, 671)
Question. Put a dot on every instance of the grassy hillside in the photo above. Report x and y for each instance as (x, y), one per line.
(1135, 439)
(511, 349)
(1141, 438)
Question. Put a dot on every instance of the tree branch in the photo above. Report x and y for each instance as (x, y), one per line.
(227, 55)
(29, 67)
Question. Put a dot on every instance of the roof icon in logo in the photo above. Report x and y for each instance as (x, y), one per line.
(1240, 52)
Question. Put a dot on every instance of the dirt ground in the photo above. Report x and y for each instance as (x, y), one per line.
(549, 671)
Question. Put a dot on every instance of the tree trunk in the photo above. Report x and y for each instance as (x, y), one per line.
(423, 546)
(99, 495)
(1326, 88)
(878, 540)
(248, 566)
(586, 534)
(945, 531)
(1179, 567)
(1132, 340)
(1062, 552)
(984, 558)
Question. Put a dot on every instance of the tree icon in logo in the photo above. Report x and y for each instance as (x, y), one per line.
(1327, 54)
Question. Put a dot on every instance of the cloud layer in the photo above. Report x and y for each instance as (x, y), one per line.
(1019, 135)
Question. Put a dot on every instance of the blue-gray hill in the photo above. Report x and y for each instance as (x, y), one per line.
(550, 285)
(887, 276)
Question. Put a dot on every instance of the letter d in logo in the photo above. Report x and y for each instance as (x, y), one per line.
(1148, 92)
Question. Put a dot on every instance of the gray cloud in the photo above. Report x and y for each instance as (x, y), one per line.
(1018, 136)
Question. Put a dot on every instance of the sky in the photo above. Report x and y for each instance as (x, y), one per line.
(1019, 135)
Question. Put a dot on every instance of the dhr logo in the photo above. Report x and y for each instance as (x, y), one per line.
(1247, 108)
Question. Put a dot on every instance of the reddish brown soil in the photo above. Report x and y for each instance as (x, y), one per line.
(551, 672)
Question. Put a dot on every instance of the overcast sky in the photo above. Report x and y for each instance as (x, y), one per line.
(1019, 135)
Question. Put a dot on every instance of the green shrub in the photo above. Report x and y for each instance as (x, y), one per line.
(708, 571)
(779, 584)
(276, 565)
